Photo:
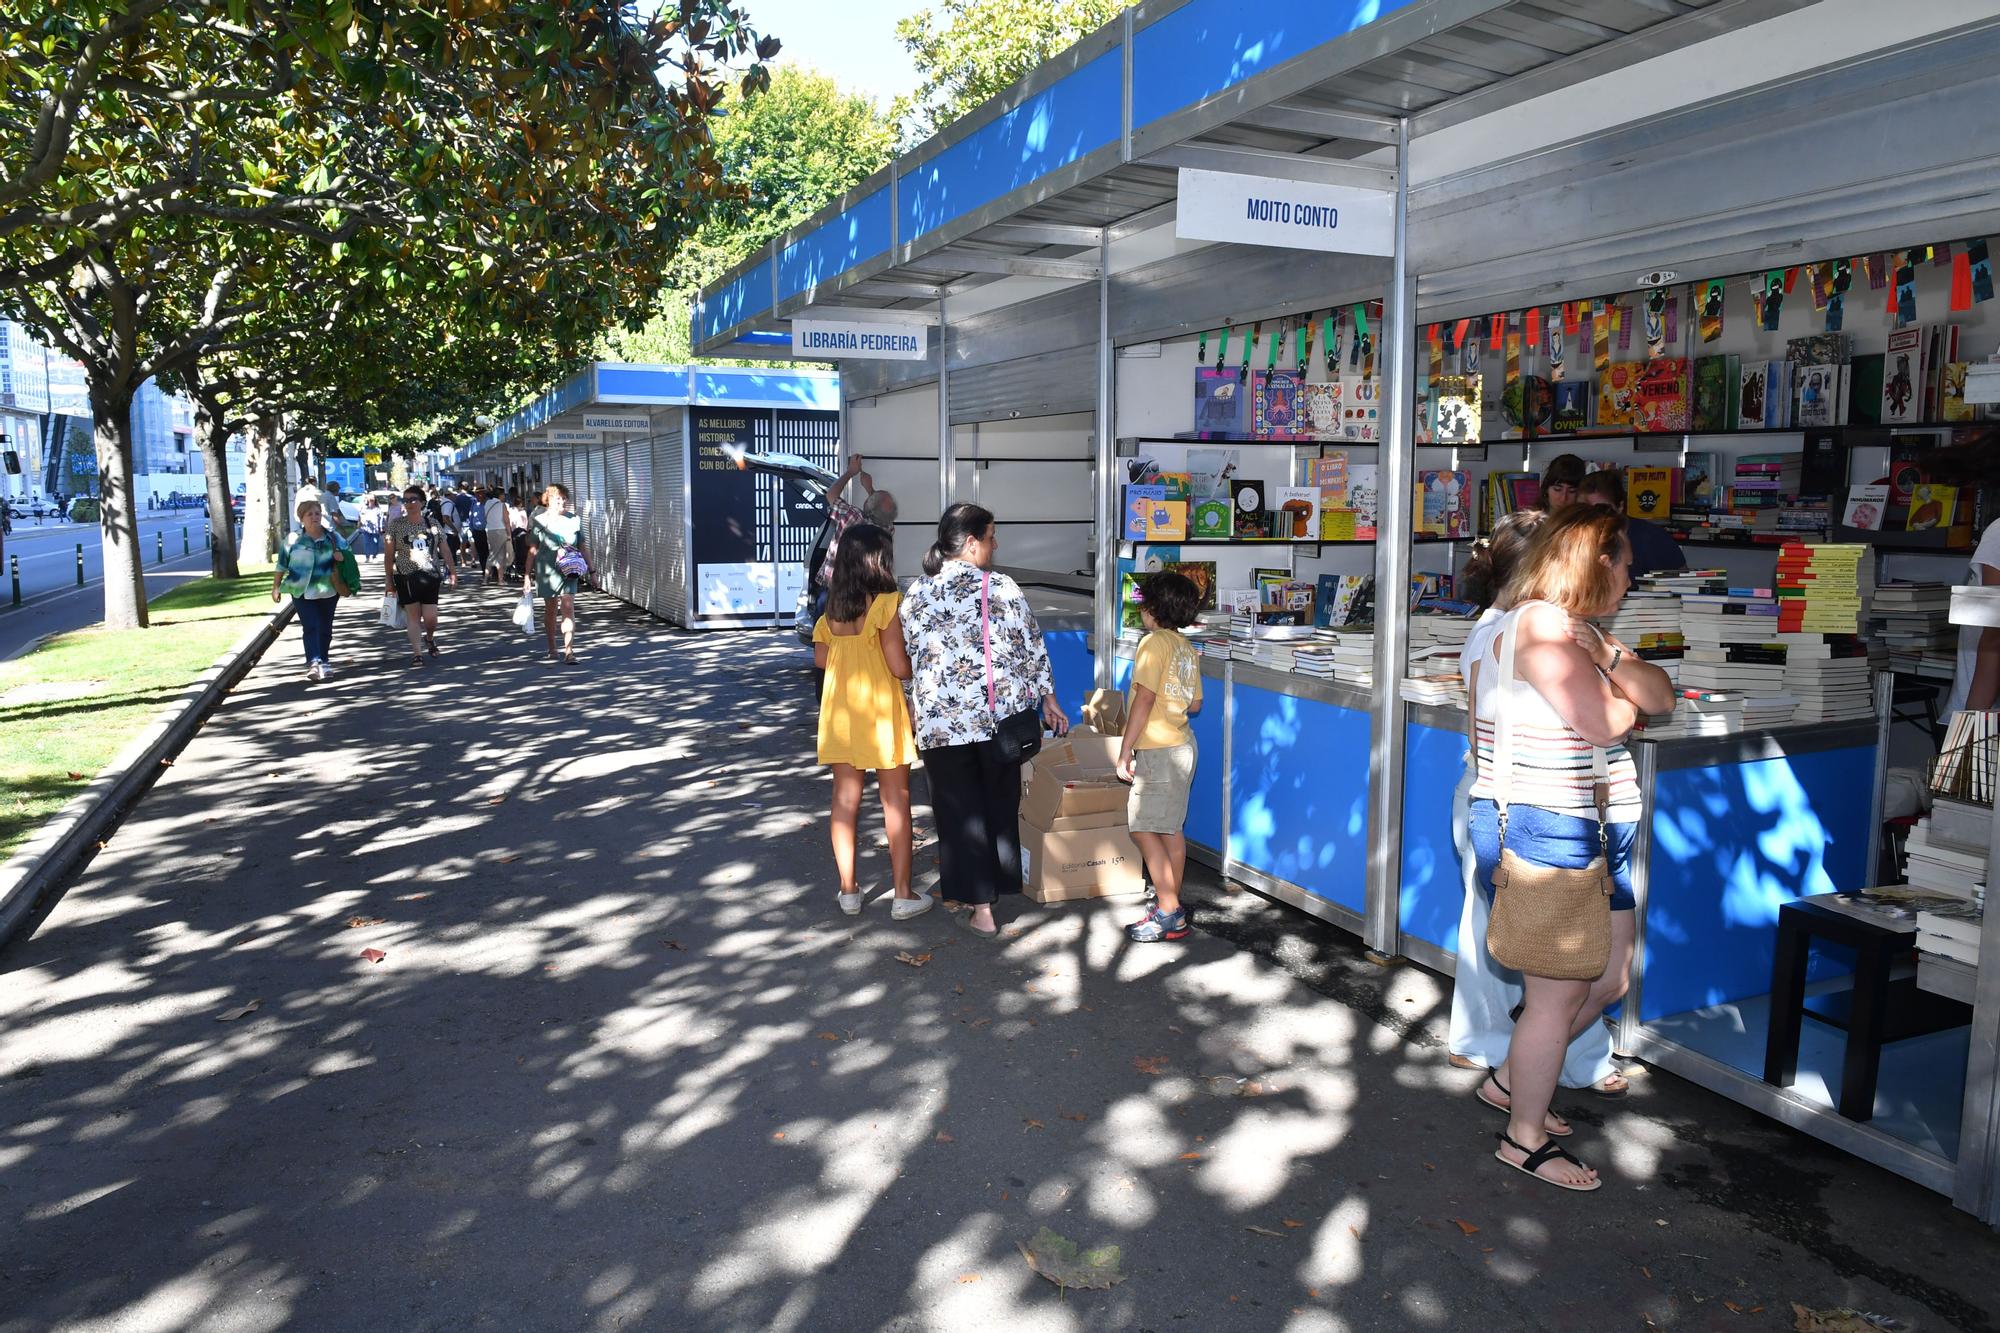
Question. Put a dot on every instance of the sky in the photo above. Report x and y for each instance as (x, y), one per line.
(852, 40)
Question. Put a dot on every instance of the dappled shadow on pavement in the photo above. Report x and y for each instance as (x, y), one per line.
(623, 1065)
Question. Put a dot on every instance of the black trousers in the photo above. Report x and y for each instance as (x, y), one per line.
(977, 802)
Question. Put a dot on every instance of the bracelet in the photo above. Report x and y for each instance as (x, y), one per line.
(1617, 656)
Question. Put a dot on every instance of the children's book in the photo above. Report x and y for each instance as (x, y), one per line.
(1361, 498)
(1617, 396)
(1138, 509)
(1955, 408)
(1660, 396)
(1339, 595)
(1444, 503)
(1178, 484)
(1202, 574)
(1572, 407)
(1319, 411)
(1209, 471)
(1166, 520)
(1296, 512)
(1903, 375)
(1649, 492)
(1328, 475)
(1455, 409)
(1221, 405)
(1252, 520)
(1865, 507)
(1361, 409)
(1931, 506)
(1211, 518)
(1276, 405)
(1698, 480)
(1711, 394)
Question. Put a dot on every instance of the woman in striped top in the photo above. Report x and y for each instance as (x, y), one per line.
(1573, 691)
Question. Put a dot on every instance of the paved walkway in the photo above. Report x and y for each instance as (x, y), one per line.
(623, 1066)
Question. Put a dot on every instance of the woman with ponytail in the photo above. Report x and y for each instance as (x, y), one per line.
(977, 662)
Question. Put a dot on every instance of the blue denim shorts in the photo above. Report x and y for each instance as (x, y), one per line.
(1548, 838)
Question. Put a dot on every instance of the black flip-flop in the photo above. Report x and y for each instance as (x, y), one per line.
(1480, 1093)
(1541, 1157)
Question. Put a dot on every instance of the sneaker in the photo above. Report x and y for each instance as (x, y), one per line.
(1157, 925)
(905, 908)
(312, 671)
(325, 670)
(850, 903)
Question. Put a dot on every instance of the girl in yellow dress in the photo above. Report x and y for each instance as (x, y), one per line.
(864, 721)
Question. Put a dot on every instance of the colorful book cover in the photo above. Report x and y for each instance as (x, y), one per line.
(1177, 484)
(1329, 475)
(1210, 470)
(1128, 601)
(1455, 409)
(1865, 507)
(1361, 498)
(1698, 480)
(1617, 396)
(1660, 396)
(1572, 407)
(1711, 396)
(1443, 503)
(1649, 492)
(1201, 573)
(1931, 506)
(1339, 595)
(1750, 400)
(1166, 520)
(1211, 518)
(1903, 377)
(1275, 405)
(1337, 524)
(1319, 411)
(1221, 405)
(1361, 409)
(1819, 389)
(1817, 349)
(1955, 406)
(1297, 511)
(1252, 519)
(1138, 509)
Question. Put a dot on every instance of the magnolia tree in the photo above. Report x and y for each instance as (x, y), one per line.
(206, 191)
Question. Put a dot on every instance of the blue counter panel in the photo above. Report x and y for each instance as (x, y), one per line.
(1204, 817)
(1731, 845)
(1299, 793)
(1433, 887)
(1073, 665)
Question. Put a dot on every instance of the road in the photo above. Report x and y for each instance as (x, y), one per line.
(51, 602)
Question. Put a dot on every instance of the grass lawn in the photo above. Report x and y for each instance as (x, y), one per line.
(68, 707)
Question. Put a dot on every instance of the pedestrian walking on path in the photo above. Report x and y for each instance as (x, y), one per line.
(312, 569)
(498, 547)
(517, 530)
(980, 681)
(416, 568)
(557, 565)
(1157, 752)
(864, 723)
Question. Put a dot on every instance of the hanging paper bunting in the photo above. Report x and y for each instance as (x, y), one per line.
(1673, 319)
(1903, 297)
(1791, 277)
(1459, 334)
(1434, 345)
(1941, 254)
(1711, 313)
(1305, 347)
(1555, 350)
(1961, 282)
(1838, 282)
(1621, 324)
(1982, 272)
(1222, 352)
(1277, 346)
(1776, 284)
(1531, 326)
(1364, 344)
(1820, 284)
(1330, 343)
(1600, 338)
(1572, 317)
(1514, 358)
(1249, 350)
(1654, 312)
(1877, 268)
(1201, 351)
(1468, 356)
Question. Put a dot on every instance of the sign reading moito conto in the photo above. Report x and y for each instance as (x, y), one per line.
(844, 340)
(1299, 215)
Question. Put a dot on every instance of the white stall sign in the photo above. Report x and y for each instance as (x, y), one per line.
(737, 590)
(576, 437)
(1299, 215)
(617, 421)
(843, 340)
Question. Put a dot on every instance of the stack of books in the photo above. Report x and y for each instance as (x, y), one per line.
(1701, 713)
(1448, 691)
(1824, 587)
(1314, 658)
(1354, 656)
(1830, 679)
(1648, 621)
(1965, 768)
(1912, 622)
(1950, 931)
(1763, 481)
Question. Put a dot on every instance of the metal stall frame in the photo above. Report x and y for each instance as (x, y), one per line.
(1726, 185)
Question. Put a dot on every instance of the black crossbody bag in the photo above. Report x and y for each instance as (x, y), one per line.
(1017, 738)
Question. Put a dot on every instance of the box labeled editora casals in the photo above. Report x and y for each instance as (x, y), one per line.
(1074, 843)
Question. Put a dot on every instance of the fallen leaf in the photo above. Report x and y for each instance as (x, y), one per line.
(373, 955)
(1265, 1231)
(980, 1022)
(1647, 1271)
(510, 857)
(779, 1134)
(913, 959)
(1354, 1231)
(1486, 1249)
(355, 922)
(1466, 1226)
(1313, 1292)
(673, 944)
(1659, 1221)
(1756, 1309)
(1290, 1222)
(827, 1036)
(1003, 1196)
(968, 1277)
(959, 989)
(1027, 1125)
(1190, 1157)
(1839, 1319)
(495, 800)
(1077, 1116)
(75, 777)
(1064, 1263)
(1428, 1166)
(232, 1015)
(1732, 1307)
(412, 897)
(1149, 1064)
(943, 1137)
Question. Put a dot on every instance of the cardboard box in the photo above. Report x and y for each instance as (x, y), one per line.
(1067, 863)
(1073, 776)
(1104, 710)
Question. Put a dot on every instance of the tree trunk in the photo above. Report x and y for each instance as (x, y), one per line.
(260, 529)
(117, 510)
(212, 432)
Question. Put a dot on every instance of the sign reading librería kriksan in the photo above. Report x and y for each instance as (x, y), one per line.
(576, 437)
(1299, 215)
(843, 340)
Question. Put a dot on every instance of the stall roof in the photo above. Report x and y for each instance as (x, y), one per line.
(614, 384)
(1086, 148)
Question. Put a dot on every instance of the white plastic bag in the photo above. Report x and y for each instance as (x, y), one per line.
(524, 613)
(392, 616)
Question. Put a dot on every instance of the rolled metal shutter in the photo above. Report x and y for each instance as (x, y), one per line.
(639, 510)
(670, 522)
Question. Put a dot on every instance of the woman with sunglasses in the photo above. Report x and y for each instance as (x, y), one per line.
(416, 565)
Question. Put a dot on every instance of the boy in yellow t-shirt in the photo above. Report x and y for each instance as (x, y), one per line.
(1157, 754)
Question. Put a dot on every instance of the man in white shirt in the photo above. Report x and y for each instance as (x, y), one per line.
(1976, 685)
(498, 547)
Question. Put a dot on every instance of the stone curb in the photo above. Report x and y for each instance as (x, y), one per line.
(68, 841)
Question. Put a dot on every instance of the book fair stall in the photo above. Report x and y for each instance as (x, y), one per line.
(1309, 324)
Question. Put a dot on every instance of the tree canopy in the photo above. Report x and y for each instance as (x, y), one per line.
(966, 51)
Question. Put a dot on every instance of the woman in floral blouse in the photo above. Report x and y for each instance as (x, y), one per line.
(957, 703)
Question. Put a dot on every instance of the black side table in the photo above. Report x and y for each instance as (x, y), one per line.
(1877, 1010)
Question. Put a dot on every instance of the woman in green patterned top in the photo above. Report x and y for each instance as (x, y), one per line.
(552, 531)
(309, 568)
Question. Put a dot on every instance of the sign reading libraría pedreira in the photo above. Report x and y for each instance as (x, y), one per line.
(832, 340)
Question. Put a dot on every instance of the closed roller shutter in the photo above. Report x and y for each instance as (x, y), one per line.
(1048, 385)
(639, 508)
(670, 521)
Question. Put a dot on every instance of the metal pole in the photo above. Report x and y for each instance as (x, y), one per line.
(1393, 493)
(186, 547)
(14, 568)
(79, 564)
(160, 546)
(1104, 618)
(945, 461)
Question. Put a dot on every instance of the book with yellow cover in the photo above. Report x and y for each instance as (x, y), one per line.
(1931, 506)
(1167, 521)
(1649, 492)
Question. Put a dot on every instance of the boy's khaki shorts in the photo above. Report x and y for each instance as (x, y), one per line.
(1160, 782)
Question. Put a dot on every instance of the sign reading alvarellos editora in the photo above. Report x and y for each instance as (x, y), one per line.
(842, 340)
(1299, 215)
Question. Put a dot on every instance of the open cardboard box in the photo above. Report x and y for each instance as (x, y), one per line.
(1073, 838)
(1076, 775)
